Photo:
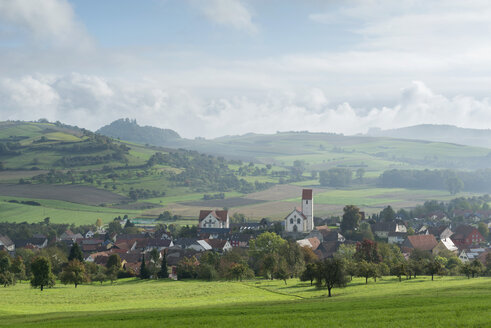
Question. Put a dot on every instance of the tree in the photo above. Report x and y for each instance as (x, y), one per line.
(144, 272)
(387, 214)
(291, 252)
(309, 273)
(367, 270)
(466, 269)
(264, 251)
(281, 270)
(360, 173)
(483, 229)
(476, 268)
(239, 271)
(434, 266)
(73, 273)
(367, 250)
(113, 266)
(163, 273)
(41, 273)
(7, 278)
(98, 223)
(18, 268)
(336, 177)
(330, 273)
(400, 270)
(75, 253)
(100, 276)
(351, 218)
(454, 184)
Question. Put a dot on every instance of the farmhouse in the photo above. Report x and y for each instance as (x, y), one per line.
(466, 236)
(420, 242)
(7, 243)
(213, 219)
(302, 220)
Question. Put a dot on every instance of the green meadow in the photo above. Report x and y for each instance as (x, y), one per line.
(58, 212)
(445, 302)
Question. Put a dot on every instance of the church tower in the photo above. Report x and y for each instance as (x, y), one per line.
(308, 208)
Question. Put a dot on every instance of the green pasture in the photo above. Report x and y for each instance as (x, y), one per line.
(58, 212)
(445, 302)
(374, 196)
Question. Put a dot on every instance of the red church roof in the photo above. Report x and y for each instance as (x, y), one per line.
(306, 194)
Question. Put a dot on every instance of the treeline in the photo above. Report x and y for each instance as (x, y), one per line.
(454, 181)
(204, 172)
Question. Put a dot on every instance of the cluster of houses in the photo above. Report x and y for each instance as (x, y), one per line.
(216, 233)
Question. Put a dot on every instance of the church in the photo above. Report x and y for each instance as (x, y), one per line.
(302, 220)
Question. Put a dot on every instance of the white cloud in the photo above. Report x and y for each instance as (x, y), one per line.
(91, 101)
(233, 13)
(44, 22)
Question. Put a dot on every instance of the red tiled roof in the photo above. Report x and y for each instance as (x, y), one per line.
(307, 194)
(315, 242)
(220, 215)
(422, 242)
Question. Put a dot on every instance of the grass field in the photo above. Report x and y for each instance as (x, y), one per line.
(445, 302)
(58, 211)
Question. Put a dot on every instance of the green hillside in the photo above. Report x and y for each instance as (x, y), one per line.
(445, 302)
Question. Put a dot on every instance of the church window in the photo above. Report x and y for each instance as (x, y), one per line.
(291, 221)
(307, 201)
(298, 221)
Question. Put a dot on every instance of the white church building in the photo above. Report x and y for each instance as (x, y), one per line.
(302, 220)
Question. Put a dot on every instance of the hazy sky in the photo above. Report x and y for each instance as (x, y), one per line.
(216, 67)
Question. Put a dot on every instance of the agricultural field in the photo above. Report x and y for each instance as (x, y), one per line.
(58, 211)
(445, 302)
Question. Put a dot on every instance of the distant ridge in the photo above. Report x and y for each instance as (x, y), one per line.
(129, 130)
(438, 133)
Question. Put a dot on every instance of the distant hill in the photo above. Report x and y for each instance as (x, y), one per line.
(439, 133)
(129, 130)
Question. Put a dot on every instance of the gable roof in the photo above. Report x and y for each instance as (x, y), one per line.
(299, 212)
(5, 240)
(463, 231)
(422, 242)
(216, 243)
(306, 194)
(218, 214)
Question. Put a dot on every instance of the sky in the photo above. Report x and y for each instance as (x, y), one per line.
(210, 68)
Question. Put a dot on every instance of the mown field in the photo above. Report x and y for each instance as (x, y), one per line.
(445, 302)
(58, 211)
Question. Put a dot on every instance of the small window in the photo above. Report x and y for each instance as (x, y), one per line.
(307, 201)
(291, 221)
(298, 221)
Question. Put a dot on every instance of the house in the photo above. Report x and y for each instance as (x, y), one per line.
(327, 249)
(440, 232)
(69, 236)
(240, 240)
(219, 245)
(159, 244)
(89, 234)
(466, 236)
(302, 220)
(34, 242)
(312, 243)
(396, 237)
(213, 219)
(193, 244)
(445, 244)
(214, 233)
(382, 229)
(166, 235)
(420, 242)
(7, 243)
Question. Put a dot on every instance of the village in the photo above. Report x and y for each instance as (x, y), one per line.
(434, 236)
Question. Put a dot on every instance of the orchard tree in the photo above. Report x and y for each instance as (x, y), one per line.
(367, 250)
(330, 273)
(73, 273)
(7, 278)
(113, 266)
(75, 253)
(351, 218)
(18, 268)
(41, 273)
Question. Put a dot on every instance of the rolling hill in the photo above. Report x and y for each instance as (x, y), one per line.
(438, 133)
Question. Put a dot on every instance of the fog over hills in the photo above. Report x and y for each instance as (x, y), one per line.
(439, 133)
